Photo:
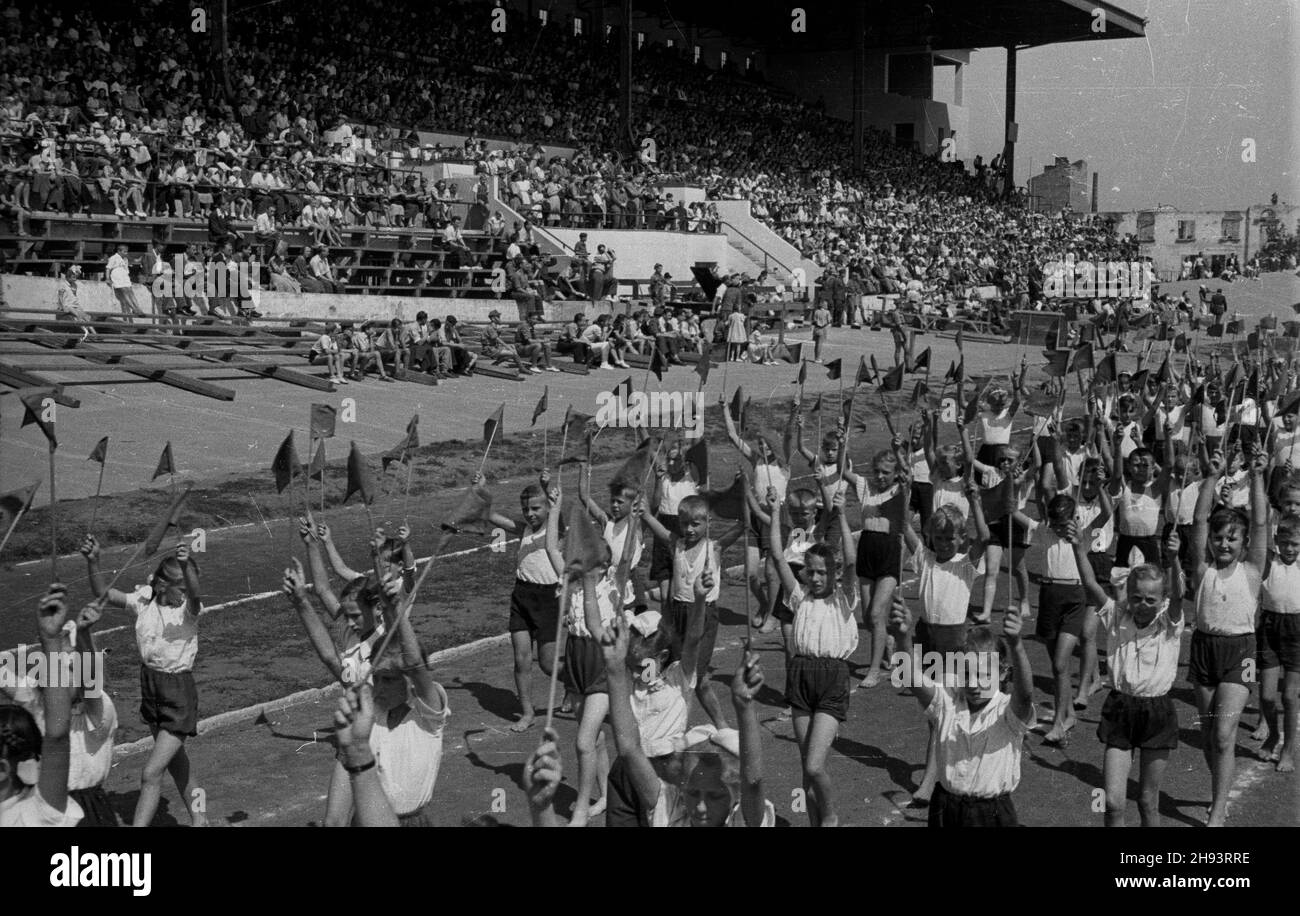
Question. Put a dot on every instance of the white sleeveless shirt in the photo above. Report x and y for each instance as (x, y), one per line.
(1226, 601)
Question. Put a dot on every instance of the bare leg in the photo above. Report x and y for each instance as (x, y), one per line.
(1114, 775)
(522, 645)
(593, 761)
(1152, 770)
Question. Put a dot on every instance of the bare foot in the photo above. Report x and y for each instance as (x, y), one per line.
(1286, 760)
(1059, 734)
(1261, 731)
(569, 703)
(1268, 751)
(871, 680)
(769, 625)
(525, 722)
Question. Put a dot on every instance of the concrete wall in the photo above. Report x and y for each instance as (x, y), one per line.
(22, 292)
(638, 252)
(829, 77)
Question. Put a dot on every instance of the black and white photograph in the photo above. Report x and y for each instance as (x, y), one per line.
(624, 413)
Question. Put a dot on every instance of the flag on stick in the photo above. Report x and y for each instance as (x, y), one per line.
(100, 452)
(323, 417)
(698, 455)
(19, 500)
(893, 380)
(316, 471)
(285, 466)
(492, 425)
(584, 548)
(922, 362)
(34, 412)
(165, 463)
(403, 450)
(359, 477)
(473, 507)
(834, 368)
(542, 403)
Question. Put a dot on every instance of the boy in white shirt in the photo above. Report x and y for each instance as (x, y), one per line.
(981, 729)
(1143, 638)
(166, 612)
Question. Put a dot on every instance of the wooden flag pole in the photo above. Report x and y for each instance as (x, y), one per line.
(559, 641)
(406, 497)
(324, 463)
(54, 524)
(94, 511)
(492, 438)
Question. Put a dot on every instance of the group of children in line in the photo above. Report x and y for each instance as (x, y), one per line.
(1143, 502)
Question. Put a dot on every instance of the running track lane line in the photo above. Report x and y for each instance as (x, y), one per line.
(262, 596)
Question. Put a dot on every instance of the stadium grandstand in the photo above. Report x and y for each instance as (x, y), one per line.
(373, 148)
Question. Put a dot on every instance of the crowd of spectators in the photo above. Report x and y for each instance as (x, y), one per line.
(116, 109)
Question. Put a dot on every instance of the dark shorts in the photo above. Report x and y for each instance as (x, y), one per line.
(1277, 642)
(988, 454)
(815, 685)
(584, 666)
(94, 802)
(941, 637)
(922, 502)
(661, 554)
(535, 609)
(676, 614)
(169, 702)
(879, 555)
(1146, 723)
(1149, 545)
(998, 533)
(1216, 660)
(1102, 563)
(949, 810)
(1060, 611)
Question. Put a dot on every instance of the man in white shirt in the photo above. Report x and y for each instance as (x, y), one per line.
(322, 272)
(118, 272)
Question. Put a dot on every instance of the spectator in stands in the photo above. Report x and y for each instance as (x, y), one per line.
(300, 271)
(462, 361)
(322, 272)
(221, 227)
(597, 338)
(327, 348)
(278, 268)
(426, 354)
(497, 350)
(520, 285)
(391, 344)
(367, 353)
(571, 340)
(118, 271)
(530, 346)
(69, 300)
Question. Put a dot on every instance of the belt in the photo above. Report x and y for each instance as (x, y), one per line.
(1059, 582)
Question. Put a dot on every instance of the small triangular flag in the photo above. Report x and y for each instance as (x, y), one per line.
(100, 452)
(165, 463)
(492, 425)
(542, 403)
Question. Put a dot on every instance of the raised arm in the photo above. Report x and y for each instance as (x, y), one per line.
(627, 737)
(808, 454)
(1257, 550)
(1097, 596)
(1201, 523)
(190, 573)
(56, 746)
(745, 685)
(777, 546)
(354, 719)
(584, 495)
(98, 587)
(1022, 674)
(341, 569)
(320, 579)
(900, 626)
(295, 589)
(741, 445)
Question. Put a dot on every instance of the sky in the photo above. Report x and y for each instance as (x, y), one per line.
(1162, 120)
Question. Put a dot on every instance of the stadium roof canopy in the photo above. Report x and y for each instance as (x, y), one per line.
(903, 23)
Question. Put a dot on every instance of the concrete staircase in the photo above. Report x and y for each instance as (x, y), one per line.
(754, 243)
